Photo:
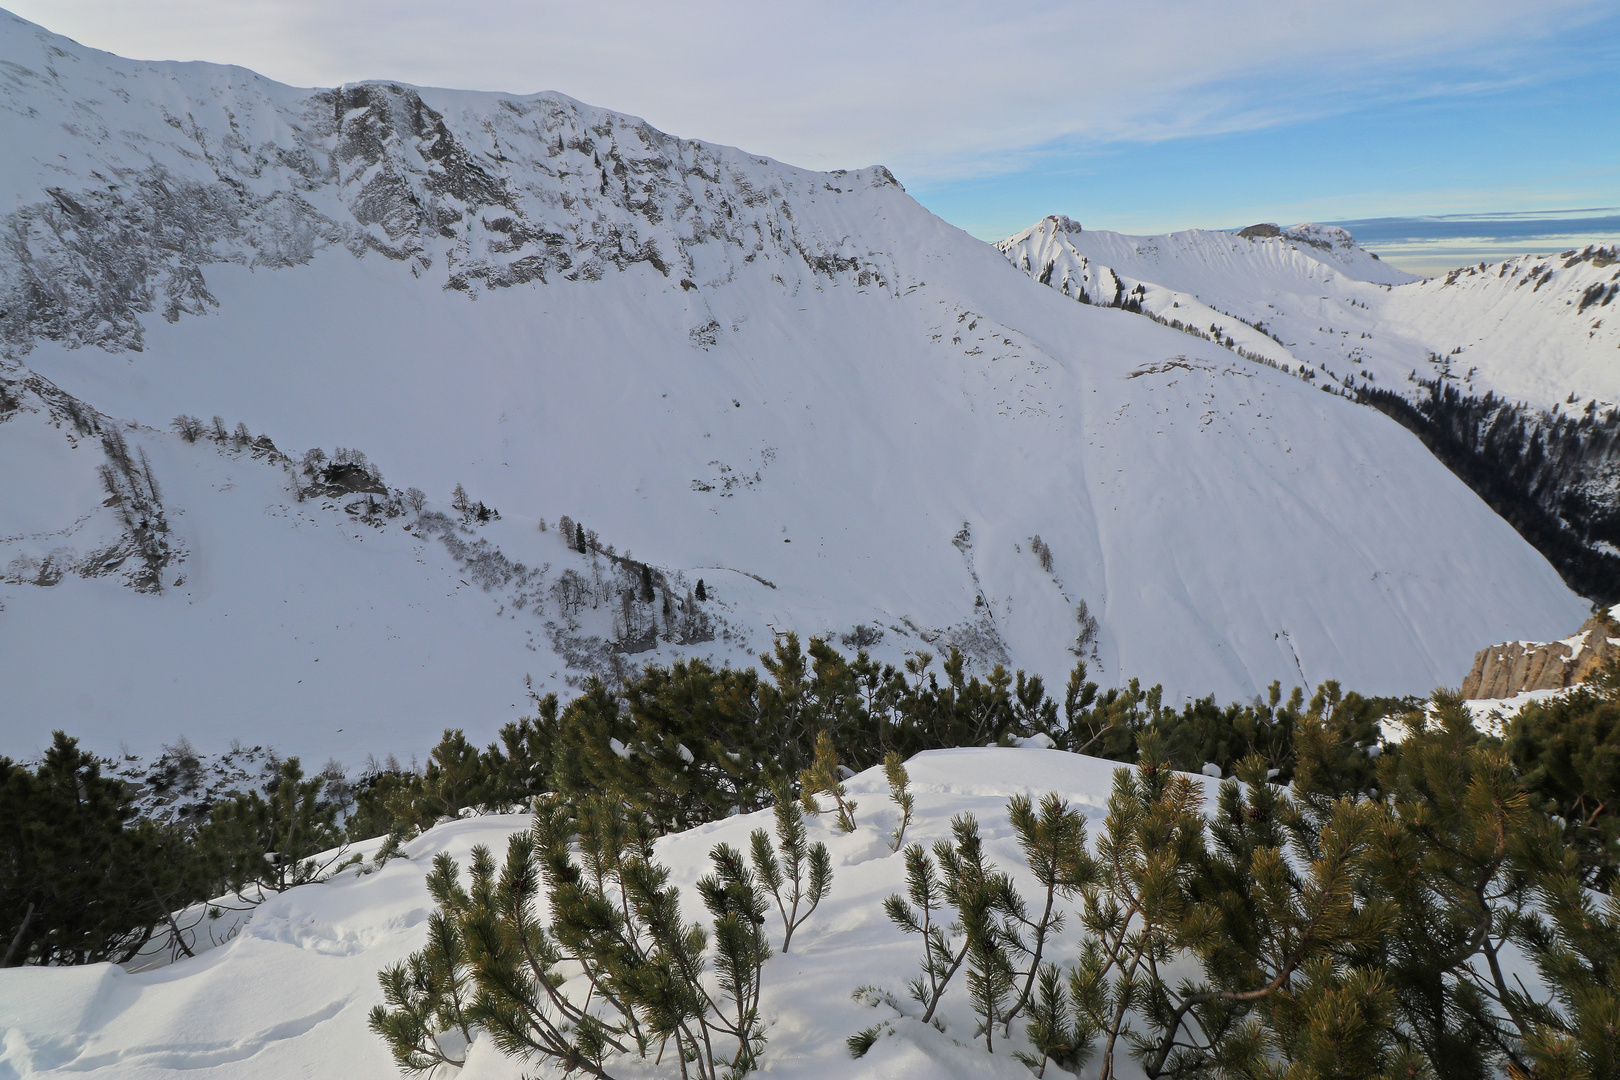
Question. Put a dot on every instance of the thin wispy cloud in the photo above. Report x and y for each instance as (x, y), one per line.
(937, 90)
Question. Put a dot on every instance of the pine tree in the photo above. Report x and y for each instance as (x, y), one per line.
(614, 920)
(738, 910)
(1445, 867)
(1574, 939)
(429, 993)
(1151, 844)
(68, 892)
(456, 778)
(979, 892)
(1281, 907)
(1567, 750)
(702, 594)
(1056, 1034)
(273, 843)
(1053, 841)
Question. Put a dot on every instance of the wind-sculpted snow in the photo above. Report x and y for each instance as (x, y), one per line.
(843, 416)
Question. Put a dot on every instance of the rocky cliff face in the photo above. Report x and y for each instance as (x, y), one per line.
(1502, 671)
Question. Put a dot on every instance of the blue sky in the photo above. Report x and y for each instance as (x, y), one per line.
(1541, 138)
(1524, 156)
(1143, 117)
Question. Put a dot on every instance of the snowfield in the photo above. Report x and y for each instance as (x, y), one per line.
(289, 994)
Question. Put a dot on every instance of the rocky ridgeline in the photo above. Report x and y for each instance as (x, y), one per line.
(479, 190)
(1502, 671)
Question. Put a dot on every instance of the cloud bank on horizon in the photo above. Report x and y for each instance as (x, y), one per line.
(993, 114)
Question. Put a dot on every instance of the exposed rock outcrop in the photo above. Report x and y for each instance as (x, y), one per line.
(1502, 671)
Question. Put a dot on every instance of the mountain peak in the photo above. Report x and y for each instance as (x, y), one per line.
(1326, 237)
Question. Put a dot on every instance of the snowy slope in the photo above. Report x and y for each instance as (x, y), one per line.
(835, 409)
(1535, 329)
(288, 996)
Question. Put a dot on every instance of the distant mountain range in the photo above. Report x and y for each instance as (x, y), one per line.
(1438, 243)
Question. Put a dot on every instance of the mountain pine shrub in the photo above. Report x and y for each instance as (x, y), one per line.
(1567, 750)
(615, 932)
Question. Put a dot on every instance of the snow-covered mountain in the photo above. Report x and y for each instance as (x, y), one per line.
(841, 414)
(1534, 329)
(1478, 362)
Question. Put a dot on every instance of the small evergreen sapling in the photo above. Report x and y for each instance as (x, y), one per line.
(425, 1020)
(894, 770)
(822, 778)
(922, 911)
(1057, 1035)
(615, 922)
(1147, 854)
(738, 908)
(979, 893)
(1053, 841)
(802, 875)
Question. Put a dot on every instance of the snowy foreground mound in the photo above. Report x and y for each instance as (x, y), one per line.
(288, 996)
(841, 415)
